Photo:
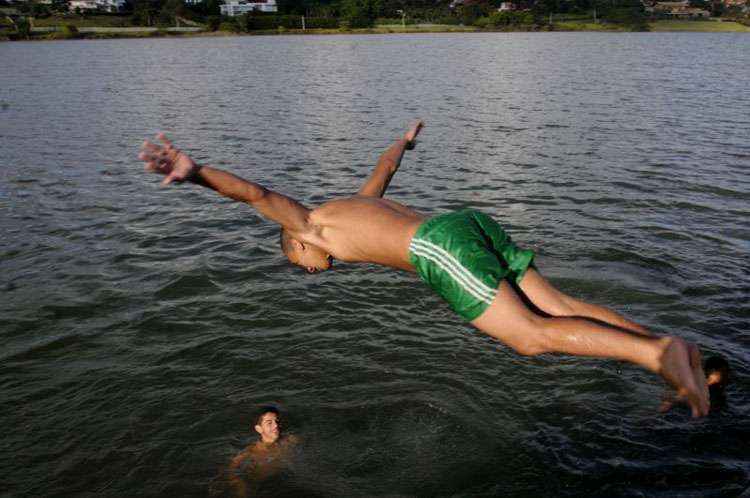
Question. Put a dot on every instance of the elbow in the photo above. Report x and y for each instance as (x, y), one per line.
(252, 194)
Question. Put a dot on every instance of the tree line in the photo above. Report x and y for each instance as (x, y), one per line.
(366, 13)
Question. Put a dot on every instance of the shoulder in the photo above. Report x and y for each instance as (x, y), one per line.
(241, 456)
(291, 439)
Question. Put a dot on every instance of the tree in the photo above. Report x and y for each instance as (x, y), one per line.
(213, 7)
(169, 11)
(23, 28)
(213, 22)
(39, 10)
(310, 8)
(360, 13)
(33, 8)
(144, 12)
(507, 18)
(60, 6)
(292, 7)
(469, 13)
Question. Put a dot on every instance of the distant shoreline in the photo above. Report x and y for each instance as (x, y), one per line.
(655, 27)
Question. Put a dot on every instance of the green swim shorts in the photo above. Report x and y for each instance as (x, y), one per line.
(463, 256)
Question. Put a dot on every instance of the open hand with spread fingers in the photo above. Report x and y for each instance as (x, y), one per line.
(167, 160)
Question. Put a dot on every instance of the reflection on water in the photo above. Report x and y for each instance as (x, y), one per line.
(142, 326)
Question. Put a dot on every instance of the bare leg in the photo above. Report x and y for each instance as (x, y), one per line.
(553, 302)
(510, 321)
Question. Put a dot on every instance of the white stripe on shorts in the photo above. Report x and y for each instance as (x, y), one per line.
(459, 273)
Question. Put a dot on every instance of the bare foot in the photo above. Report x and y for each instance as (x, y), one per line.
(680, 365)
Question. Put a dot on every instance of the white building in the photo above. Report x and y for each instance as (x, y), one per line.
(82, 4)
(239, 7)
(105, 5)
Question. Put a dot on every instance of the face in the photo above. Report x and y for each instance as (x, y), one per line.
(268, 428)
(310, 257)
(714, 378)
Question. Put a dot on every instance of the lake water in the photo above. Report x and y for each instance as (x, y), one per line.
(142, 326)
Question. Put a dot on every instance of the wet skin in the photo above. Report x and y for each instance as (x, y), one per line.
(367, 228)
(264, 458)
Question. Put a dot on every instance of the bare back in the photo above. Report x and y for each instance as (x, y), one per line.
(366, 229)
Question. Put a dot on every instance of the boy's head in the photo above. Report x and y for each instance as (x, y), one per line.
(267, 424)
(308, 256)
(717, 373)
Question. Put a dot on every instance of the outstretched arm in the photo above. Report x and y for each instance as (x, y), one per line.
(389, 162)
(179, 167)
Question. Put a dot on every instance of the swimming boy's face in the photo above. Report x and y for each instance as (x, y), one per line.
(715, 378)
(268, 428)
(310, 257)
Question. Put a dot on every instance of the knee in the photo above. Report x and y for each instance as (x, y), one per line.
(534, 340)
(529, 347)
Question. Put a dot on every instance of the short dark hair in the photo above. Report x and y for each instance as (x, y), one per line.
(285, 240)
(717, 364)
(263, 410)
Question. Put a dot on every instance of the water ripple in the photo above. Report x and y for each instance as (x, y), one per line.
(143, 325)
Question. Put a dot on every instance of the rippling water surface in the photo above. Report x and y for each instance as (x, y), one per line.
(141, 326)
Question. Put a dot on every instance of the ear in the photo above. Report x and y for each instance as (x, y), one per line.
(298, 246)
(258, 429)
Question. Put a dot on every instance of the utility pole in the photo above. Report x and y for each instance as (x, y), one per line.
(303, 23)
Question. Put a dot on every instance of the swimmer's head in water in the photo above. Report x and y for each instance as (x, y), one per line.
(717, 373)
(268, 425)
(310, 257)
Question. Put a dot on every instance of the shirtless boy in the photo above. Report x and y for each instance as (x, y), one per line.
(464, 256)
(266, 456)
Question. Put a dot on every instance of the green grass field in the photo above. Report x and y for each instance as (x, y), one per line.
(588, 26)
(420, 28)
(702, 26)
(92, 21)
